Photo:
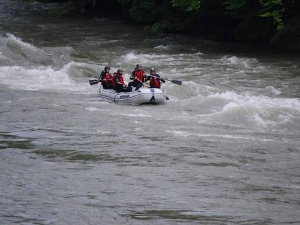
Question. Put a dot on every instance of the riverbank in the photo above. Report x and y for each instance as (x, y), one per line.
(269, 24)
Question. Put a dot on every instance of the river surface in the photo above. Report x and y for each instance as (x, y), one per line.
(225, 149)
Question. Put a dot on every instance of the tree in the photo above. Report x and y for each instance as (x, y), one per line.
(188, 5)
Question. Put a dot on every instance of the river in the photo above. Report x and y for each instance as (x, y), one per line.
(223, 150)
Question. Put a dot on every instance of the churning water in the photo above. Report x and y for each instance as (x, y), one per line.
(223, 150)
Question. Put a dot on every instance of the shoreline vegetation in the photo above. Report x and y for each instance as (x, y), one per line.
(270, 23)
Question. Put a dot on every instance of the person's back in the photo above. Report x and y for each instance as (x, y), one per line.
(114, 80)
(106, 78)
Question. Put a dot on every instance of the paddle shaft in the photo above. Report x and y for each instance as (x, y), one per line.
(178, 82)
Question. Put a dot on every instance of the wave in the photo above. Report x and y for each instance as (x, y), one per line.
(200, 96)
(17, 52)
(159, 59)
(243, 109)
(18, 42)
(27, 67)
(195, 64)
(255, 106)
(68, 78)
(163, 47)
(240, 61)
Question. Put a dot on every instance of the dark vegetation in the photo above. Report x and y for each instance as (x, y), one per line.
(275, 23)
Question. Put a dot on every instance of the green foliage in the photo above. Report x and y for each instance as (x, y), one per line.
(170, 25)
(207, 17)
(141, 11)
(156, 27)
(264, 8)
(188, 5)
(273, 9)
(58, 10)
(234, 7)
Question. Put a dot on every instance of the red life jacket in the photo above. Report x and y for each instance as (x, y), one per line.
(108, 78)
(121, 79)
(117, 78)
(154, 82)
(114, 83)
(139, 74)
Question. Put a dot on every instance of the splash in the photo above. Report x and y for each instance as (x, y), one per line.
(46, 78)
(240, 61)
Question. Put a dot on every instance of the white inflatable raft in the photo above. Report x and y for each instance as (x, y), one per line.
(142, 96)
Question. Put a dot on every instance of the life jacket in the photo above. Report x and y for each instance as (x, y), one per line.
(155, 81)
(117, 79)
(139, 74)
(108, 78)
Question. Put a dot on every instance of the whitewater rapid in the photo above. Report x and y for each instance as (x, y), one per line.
(258, 105)
(224, 149)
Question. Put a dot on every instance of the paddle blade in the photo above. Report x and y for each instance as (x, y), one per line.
(92, 82)
(176, 82)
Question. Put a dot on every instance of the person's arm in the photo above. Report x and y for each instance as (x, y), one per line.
(103, 75)
(145, 77)
(132, 76)
(104, 78)
(156, 76)
(118, 81)
(161, 79)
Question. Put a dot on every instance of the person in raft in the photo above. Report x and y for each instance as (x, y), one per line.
(155, 79)
(106, 78)
(118, 82)
(138, 76)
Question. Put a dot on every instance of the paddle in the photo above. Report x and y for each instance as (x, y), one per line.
(92, 82)
(178, 82)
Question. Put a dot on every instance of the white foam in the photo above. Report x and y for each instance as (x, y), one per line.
(255, 110)
(102, 132)
(41, 78)
(273, 90)
(225, 136)
(239, 61)
(19, 42)
(92, 109)
(130, 56)
(163, 47)
(18, 52)
(135, 115)
(157, 59)
(235, 109)
(2, 56)
(191, 54)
